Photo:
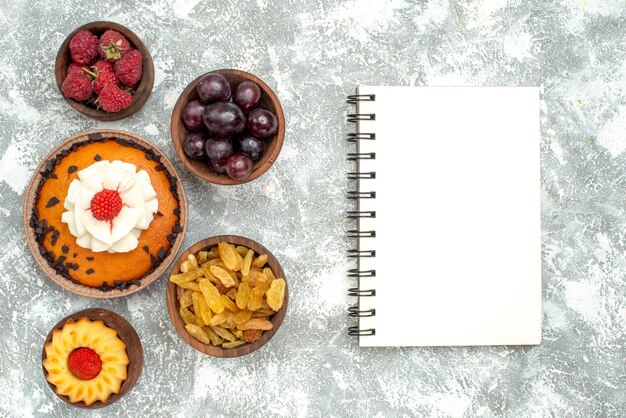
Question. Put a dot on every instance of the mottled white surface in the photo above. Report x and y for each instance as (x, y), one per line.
(313, 53)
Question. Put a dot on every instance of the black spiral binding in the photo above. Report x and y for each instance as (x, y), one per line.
(355, 136)
(353, 214)
(361, 195)
(353, 98)
(354, 233)
(353, 117)
(353, 156)
(357, 195)
(354, 312)
(361, 273)
(357, 176)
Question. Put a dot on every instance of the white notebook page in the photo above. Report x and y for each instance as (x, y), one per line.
(458, 228)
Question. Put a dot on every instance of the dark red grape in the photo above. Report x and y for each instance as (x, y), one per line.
(192, 115)
(213, 88)
(238, 166)
(261, 123)
(247, 95)
(224, 119)
(218, 148)
(219, 166)
(252, 146)
(194, 145)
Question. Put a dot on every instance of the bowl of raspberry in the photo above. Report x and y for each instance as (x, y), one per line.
(228, 127)
(104, 71)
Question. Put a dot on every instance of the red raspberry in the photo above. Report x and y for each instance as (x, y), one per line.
(84, 363)
(113, 45)
(77, 86)
(83, 47)
(113, 99)
(104, 74)
(106, 205)
(75, 69)
(129, 68)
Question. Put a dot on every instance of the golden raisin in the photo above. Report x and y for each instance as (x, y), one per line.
(241, 250)
(186, 316)
(226, 279)
(185, 300)
(198, 333)
(212, 295)
(229, 304)
(247, 263)
(256, 297)
(260, 261)
(215, 339)
(243, 295)
(233, 344)
(228, 255)
(256, 323)
(276, 294)
(269, 273)
(251, 335)
(242, 316)
(219, 318)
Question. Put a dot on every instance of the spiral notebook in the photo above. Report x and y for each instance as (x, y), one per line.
(447, 215)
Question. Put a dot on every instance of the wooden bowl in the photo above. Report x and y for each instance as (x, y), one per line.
(29, 203)
(144, 89)
(125, 331)
(173, 306)
(274, 143)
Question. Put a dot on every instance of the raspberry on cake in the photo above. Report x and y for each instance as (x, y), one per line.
(106, 205)
(86, 361)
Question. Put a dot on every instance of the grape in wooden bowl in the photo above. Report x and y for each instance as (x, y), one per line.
(228, 127)
(104, 71)
(227, 296)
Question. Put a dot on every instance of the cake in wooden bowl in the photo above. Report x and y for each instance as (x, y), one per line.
(92, 357)
(105, 214)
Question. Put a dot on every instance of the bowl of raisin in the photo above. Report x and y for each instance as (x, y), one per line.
(228, 127)
(227, 296)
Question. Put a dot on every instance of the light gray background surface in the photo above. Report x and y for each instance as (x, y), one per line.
(313, 53)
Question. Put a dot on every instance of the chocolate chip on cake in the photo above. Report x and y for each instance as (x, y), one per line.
(53, 201)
